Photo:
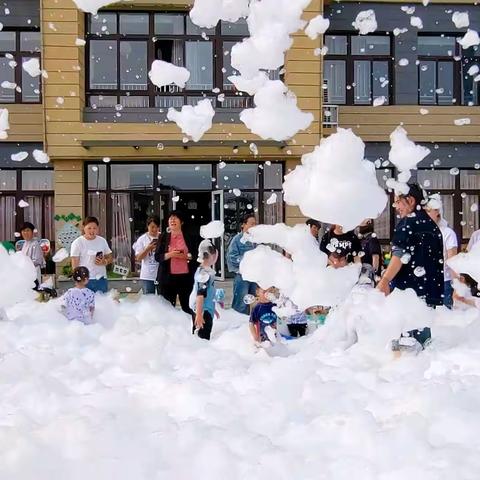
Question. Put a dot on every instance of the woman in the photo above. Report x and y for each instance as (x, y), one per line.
(92, 251)
(176, 269)
(434, 209)
(335, 239)
(144, 249)
(32, 249)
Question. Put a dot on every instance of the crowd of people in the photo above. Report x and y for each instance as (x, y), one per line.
(180, 267)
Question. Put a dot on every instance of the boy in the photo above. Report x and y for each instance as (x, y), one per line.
(79, 301)
(202, 298)
(263, 318)
(32, 249)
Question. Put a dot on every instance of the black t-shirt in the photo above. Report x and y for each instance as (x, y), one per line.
(418, 239)
(347, 243)
(370, 247)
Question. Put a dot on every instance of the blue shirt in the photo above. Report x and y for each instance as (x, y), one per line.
(263, 316)
(236, 250)
(204, 285)
(418, 239)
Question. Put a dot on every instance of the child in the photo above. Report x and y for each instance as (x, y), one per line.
(466, 292)
(79, 301)
(297, 324)
(263, 317)
(202, 298)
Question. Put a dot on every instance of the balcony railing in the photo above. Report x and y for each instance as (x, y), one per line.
(330, 116)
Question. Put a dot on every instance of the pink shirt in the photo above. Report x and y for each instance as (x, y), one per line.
(177, 265)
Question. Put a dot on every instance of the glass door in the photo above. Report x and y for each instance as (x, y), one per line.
(218, 213)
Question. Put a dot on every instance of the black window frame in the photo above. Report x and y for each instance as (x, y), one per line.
(467, 57)
(18, 54)
(152, 91)
(350, 60)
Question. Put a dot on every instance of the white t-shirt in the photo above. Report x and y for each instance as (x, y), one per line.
(149, 265)
(87, 251)
(449, 241)
(474, 239)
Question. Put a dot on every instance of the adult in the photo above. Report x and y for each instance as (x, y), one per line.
(236, 250)
(92, 251)
(474, 239)
(371, 248)
(32, 249)
(176, 253)
(144, 249)
(315, 227)
(450, 245)
(335, 239)
(417, 255)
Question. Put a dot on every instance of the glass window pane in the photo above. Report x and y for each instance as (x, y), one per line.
(334, 82)
(428, 82)
(436, 46)
(199, 62)
(381, 224)
(30, 41)
(7, 74)
(97, 177)
(133, 65)
(470, 88)
(125, 177)
(470, 179)
(470, 221)
(383, 176)
(362, 79)
(238, 175)
(103, 65)
(103, 24)
(48, 217)
(227, 66)
(433, 180)
(134, 101)
(34, 212)
(99, 101)
(7, 218)
(336, 44)
(166, 24)
(8, 180)
(37, 179)
(239, 28)
(445, 83)
(30, 86)
(273, 176)
(380, 81)
(193, 29)
(169, 101)
(448, 209)
(169, 51)
(7, 41)
(134, 23)
(235, 209)
(272, 211)
(370, 45)
(97, 202)
(121, 242)
(185, 177)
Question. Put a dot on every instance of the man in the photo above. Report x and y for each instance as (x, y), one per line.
(417, 257)
(236, 250)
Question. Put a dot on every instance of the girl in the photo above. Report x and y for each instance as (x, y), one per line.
(79, 301)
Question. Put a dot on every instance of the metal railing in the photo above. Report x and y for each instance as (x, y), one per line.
(330, 116)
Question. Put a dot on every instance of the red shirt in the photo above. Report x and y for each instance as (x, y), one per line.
(177, 265)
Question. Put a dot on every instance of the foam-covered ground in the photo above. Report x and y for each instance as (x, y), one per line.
(140, 398)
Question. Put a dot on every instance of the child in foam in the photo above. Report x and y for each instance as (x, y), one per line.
(92, 251)
(79, 301)
(263, 320)
(466, 294)
(202, 298)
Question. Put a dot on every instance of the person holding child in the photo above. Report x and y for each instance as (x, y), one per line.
(79, 301)
(202, 298)
(32, 249)
(92, 251)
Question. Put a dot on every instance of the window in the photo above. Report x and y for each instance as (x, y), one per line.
(443, 71)
(34, 187)
(122, 47)
(16, 48)
(357, 69)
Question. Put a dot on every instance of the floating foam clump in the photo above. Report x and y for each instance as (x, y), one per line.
(164, 73)
(194, 121)
(207, 13)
